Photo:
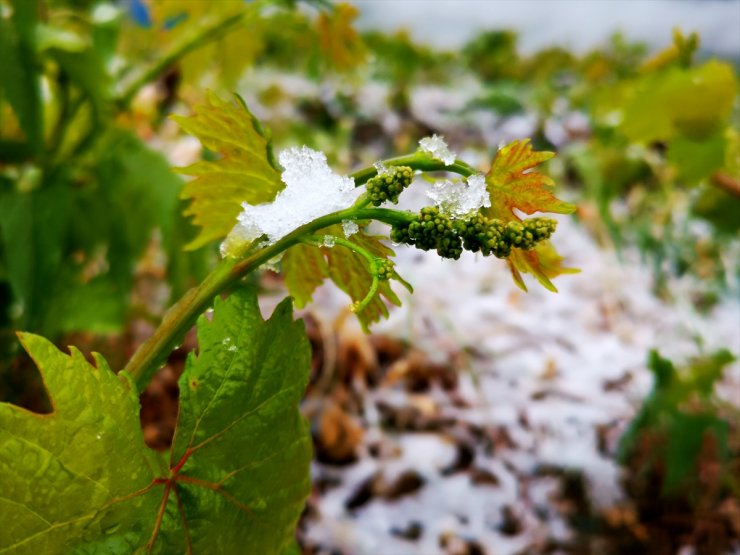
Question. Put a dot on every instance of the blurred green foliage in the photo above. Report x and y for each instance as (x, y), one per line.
(681, 426)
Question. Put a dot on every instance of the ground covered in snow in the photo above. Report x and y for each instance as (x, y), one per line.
(480, 419)
(469, 442)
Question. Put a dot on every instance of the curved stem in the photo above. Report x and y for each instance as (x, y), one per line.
(371, 262)
(416, 161)
(182, 316)
(205, 33)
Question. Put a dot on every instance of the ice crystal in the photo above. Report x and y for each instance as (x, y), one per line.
(329, 241)
(272, 264)
(437, 147)
(350, 228)
(381, 168)
(311, 190)
(458, 198)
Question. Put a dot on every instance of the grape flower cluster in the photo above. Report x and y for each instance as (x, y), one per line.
(432, 229)
(388, 185)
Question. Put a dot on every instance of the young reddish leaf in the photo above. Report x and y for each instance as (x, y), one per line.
(305, 267)
(244, 173)
(513, 183)
(543, 262)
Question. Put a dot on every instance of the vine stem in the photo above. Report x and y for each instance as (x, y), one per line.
(416, 161)
(209, 31)
(183, 314)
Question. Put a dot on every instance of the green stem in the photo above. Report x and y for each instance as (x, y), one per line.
(209, 31)
(63, 118)
(417, 161)
(182, 316)
(371, 262)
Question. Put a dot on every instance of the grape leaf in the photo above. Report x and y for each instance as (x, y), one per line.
(244, 173)
(81, 473)
(663, 104)
(513, 184)
(543, 262)
(305, 267)
(241, 445)
(82, 480)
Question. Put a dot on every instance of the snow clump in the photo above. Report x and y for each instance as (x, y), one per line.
(311, 190)
(349, 227)
(437, 147)
(457, 198)
(381, 168)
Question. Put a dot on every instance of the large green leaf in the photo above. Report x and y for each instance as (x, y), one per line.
(81, 473)
(243, 446)
(81, 480)
(244, 173)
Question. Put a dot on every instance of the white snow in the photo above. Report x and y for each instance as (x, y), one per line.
(350, 228)
(437, 148)
(381, 168)
(311, 190)
(458, 198)
(540, 358)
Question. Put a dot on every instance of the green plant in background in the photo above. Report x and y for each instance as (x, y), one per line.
(683, 426)
(81, 195)
(237, 473)
(671, 159)
(659, 166)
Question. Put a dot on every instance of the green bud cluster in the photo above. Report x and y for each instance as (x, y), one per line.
(492, 236)
(431, 230)
(385, 269)
(389, 186)
(477, 233)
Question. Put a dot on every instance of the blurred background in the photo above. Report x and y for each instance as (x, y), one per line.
(483, 416)
(573, 24)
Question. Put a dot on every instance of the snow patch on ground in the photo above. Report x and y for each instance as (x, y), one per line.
(551, 369)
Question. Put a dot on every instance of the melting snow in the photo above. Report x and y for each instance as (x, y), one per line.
(381, 168)
(311, 190)
(457, 198)
(437, 147)
(350, 228)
